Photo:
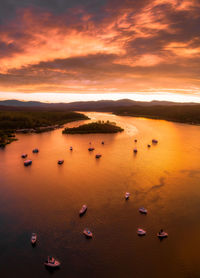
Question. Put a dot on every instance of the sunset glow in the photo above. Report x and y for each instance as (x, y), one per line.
(142, 50)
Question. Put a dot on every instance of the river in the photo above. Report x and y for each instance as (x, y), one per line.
(46, 197)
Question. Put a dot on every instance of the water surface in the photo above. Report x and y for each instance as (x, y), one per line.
(45, 198)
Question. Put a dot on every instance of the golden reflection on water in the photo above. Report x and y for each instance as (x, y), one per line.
(46, 198)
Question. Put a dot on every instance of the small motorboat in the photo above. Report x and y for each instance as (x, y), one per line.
(135, 150)
(61, 161)
(71, 149)
(143, 210)
(135, 140)
(87, 233)
(102, 142)
(52, 262)
(24, 155)
(154, 141)
(83, 210)
(33, 238)
(91, 149)
(141, 232)
(98, 155)
(127, 195)
(27, 162)
(149, 146)
(162, 234)
(35, 150)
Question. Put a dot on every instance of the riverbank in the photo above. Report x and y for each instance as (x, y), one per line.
(188, 114)
(12, 122)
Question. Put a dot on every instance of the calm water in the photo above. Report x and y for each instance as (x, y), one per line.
(46, 197)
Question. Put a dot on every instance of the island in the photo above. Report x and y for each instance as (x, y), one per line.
(95, 127)
(12, 122)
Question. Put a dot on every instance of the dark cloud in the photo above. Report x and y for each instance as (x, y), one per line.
(97, 43)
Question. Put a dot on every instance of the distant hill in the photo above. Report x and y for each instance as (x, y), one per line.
(101, 105)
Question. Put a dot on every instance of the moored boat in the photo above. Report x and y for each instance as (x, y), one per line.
(87, 233)
(83, 210)
(91, 149)
(52, 262)
(143, 210)
(33, 238)
(127, 195)
(27, 162)
(35, 150)
(24, 155)
(155, 141)
(71, 149)
(102, 142)
(61, 161)
(98, 155)
(135, 150)
(141, 232)
(162, 234)
(135, 140)
(149, 146)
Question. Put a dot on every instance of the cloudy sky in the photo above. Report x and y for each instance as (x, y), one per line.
(100, 47)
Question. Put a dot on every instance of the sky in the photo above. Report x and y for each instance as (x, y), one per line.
(54, 50)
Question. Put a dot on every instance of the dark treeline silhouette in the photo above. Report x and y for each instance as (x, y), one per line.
(176, 113)
(36, 121)
(97, 127)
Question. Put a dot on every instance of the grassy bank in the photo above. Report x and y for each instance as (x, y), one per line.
(97, 127)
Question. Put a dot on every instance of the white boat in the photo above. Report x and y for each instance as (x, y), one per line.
(52, 262)
(61, 161)
(33, 238)
(71, 149)
(24, 155)
(98, 155)
(143, 210)
(155, 141)
(135, 150)
(27, 162)
(87, 233)
(83, 210)
(127, 195)
(141, 232)
(91, 149)
(35, 150)
(162, 234)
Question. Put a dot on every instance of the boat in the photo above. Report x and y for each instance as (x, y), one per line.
(35, 150)
(135, 140)
(98, 155)
(24, 155)
(143, 210)
(83, 210)
(102, 142)
(149, 146)
(91, 149)
(61, 161)
(162, 234)
(71, 149)
(154, 141)
(33, 238)
(52, 262)
(135, 150)
(27, 162)
(87, 233)
(127, 195)
(141, 232)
